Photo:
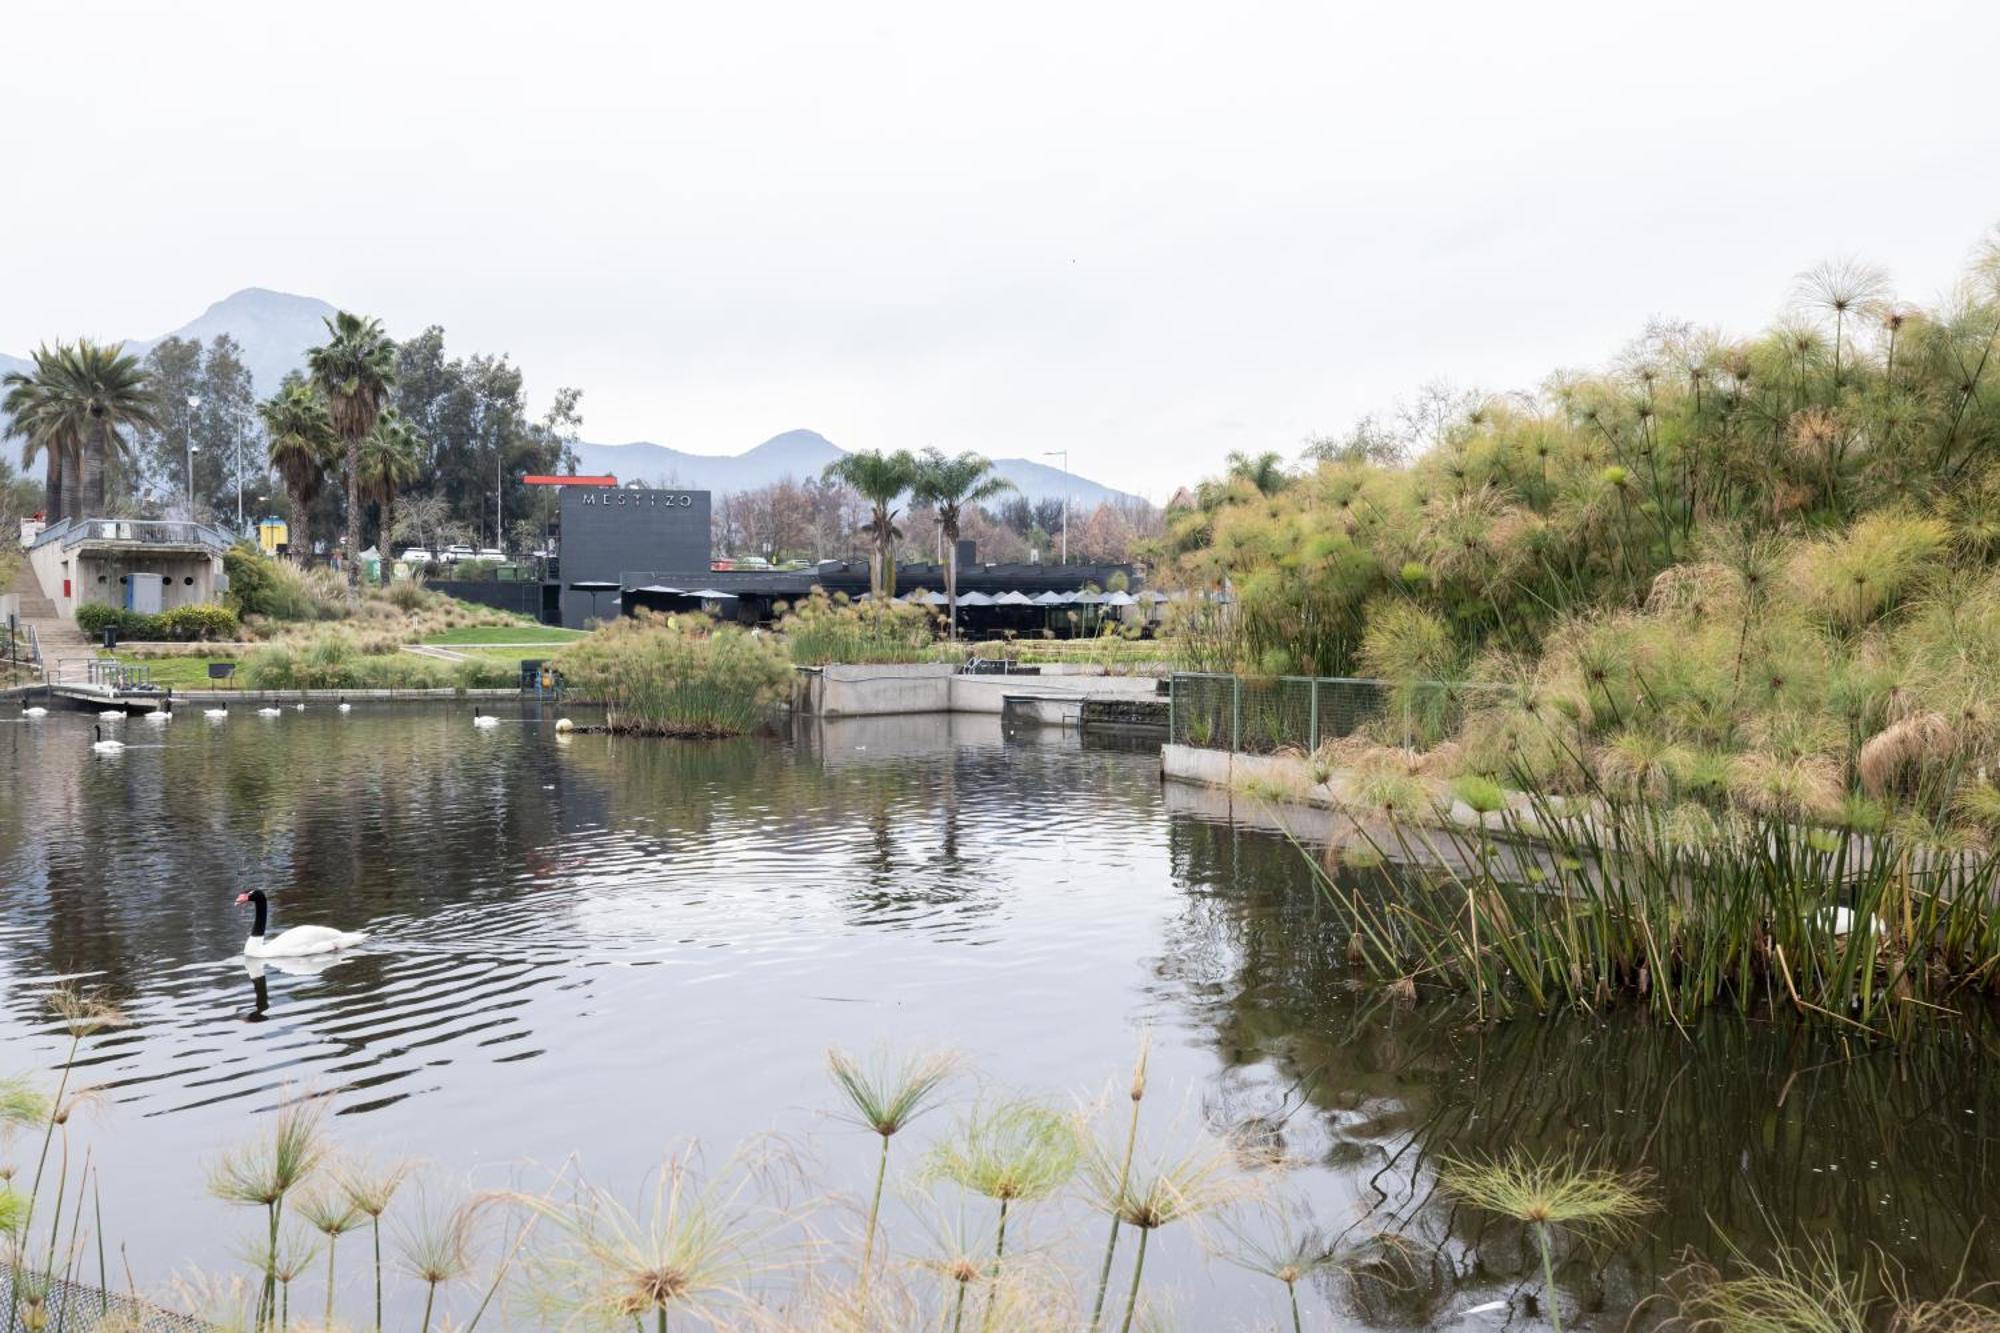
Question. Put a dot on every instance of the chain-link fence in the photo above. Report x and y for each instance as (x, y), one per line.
(1264, 716)
(53, 1303)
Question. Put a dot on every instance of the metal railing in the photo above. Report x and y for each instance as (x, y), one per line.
(144, 532)
(1248, 715)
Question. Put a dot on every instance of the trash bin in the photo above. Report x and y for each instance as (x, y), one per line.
(531, 674)
(110, 637)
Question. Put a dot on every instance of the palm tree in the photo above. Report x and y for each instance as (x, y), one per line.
(71, 408)
(948, 485)
(881, 479)
(302, 444)
(33, 415)
(390, 460)
(354, 368)
(105, 391)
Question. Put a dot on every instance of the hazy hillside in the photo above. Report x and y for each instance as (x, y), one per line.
(798, 454)
(274, 329)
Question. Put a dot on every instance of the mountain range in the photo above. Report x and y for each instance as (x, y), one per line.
(274, 329)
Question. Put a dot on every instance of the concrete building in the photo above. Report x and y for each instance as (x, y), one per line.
(143, 564)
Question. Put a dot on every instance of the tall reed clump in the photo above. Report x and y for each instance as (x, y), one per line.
(1551, 903)
(687, 1250)
(1136, 1093)
(1548, 1196)
(1013, 1153)
(1162, 1191)
(678, 675)
(884, 1095)
(434, 1246)
(822, 630)
(371, 1189)
(1282, 1250)
(264, 1172)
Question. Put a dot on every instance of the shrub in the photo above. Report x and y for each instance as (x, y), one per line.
(822, 630)
(678, 675)
(183, 624)
(262, 586)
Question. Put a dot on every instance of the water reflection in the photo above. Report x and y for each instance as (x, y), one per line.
(605, 943)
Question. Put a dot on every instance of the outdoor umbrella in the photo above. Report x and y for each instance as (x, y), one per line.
(976, 599)
(1013, 599)
(1120, 599)
(1054, 599)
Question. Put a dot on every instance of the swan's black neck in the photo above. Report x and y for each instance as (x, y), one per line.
(257, 928)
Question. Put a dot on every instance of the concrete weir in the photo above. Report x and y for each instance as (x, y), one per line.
(1052, 697)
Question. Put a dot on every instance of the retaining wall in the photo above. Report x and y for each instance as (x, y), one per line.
(939, 687)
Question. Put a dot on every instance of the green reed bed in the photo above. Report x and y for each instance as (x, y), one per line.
(678, 675)
(820, 630)
(1544, 904)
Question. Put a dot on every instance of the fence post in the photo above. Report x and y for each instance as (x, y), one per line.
(1173, 693)
(1235, 714)
(1312, 713)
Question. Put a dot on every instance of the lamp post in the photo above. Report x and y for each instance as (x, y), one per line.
(194, 405)
(237, 422)
(1064, 455)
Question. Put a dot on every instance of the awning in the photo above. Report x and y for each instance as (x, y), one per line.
(1013, 599)
(661, 590)
(1088, 598)
(1054, 599)
(711, 595)
(1120, 599)
(975, 599)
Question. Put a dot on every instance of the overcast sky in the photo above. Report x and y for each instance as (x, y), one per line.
(1147, 233)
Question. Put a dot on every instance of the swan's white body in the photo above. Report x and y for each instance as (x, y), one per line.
(301, 942)
(483, 720)
(103, 746)
(298, 942)
(216, 714)
(299, 707)
(270, 712)
(564, 724)
(346, 707)
(112, 715)
(37, 711)
(159, 715)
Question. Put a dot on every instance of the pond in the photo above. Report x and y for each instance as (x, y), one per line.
(610, 948)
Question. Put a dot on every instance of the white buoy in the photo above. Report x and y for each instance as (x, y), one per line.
(563, 724)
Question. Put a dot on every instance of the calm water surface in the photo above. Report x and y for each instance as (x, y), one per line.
(613, 947)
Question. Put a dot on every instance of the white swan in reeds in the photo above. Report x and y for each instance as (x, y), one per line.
(480, 719)
(298, 942)
(103, 746)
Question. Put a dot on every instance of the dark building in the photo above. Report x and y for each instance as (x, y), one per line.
(607, 530)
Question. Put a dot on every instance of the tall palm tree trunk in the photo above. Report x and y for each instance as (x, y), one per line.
(951, 578)
(57, 500)
(351, 547)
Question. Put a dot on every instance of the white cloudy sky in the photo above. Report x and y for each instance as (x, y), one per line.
(1148, 233)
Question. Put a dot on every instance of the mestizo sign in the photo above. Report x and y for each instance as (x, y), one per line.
(609, 498)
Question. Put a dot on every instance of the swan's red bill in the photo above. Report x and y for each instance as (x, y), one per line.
(242, 898)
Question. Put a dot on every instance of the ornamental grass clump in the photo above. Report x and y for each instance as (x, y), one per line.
(1548, 1196)
(1281, 1249)
(821, 630)
(1159, 1192)
(678, 675)
(262, 1173)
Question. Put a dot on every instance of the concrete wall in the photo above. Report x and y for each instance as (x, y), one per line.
(607, 530)
(189, 581)
(938, 687)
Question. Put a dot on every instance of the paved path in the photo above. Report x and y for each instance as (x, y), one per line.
(60, 638)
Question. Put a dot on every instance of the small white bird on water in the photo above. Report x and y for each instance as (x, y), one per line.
(480, 719)
(299, 707)
(103, 746)
(270, 712)
(36, 711)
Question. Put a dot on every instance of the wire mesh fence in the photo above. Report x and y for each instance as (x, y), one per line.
(1248, 715)
(53, 1303)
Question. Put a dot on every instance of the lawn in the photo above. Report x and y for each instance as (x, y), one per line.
(474, 635)
(181, 673)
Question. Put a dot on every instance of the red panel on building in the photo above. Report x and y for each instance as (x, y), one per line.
(568, 481)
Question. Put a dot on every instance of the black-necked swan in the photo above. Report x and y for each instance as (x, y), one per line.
(480, 719)
(164, 714)
(216, 714)
(298, 942)
(36, 711)
(344, 706)
(103, 746)
(270, 712)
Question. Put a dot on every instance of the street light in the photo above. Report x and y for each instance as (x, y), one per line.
(1064, 454)
(194, 405)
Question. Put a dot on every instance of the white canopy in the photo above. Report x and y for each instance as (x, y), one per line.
(711, 595)
(660, 589)
(1054, 599)
(1120, 599)
(975, 599)
(1013, 599)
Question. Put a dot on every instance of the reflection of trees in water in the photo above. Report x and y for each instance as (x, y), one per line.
(1747, 1127)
